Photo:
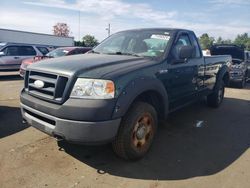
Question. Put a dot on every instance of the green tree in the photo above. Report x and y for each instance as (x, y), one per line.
(90, 41)
(79, 43)
(206, 41)
(248, 45)
(220, 40)
(228, 41)
(242, 40)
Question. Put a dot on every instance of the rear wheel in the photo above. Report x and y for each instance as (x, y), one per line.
(215, 99)
(136, 132)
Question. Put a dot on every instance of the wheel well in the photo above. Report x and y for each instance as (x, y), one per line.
(226, 78)
(155, 99)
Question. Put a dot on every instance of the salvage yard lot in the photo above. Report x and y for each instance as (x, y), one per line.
(183, 155)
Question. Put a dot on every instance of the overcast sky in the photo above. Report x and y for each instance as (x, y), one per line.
(225, 18)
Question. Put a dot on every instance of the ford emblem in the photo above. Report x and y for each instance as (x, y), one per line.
(39, 84)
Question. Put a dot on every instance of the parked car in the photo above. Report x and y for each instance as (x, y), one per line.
(12, 55)
(59, 52)
(238, 72)
(125, 85)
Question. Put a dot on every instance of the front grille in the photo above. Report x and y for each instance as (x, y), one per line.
(236, 73)
(53, 89)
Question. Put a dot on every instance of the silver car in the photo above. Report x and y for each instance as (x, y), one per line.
(12, 55)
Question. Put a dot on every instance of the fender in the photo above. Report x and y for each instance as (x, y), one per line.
(223, 70)
(134, 89)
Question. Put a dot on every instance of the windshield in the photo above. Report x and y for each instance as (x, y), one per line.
(57, 53)
(2, 45)
(138, 43)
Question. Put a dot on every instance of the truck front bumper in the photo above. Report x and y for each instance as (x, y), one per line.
(70, 130)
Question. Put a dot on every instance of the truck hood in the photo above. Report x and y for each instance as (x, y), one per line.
(100, 64)
(235, 51)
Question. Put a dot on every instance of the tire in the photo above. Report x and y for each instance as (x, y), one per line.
(242, 84)
(136, 132)
(215, 99)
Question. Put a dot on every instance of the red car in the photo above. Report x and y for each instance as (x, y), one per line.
(59, 52)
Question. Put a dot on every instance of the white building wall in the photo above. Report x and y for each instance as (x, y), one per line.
(15, 36)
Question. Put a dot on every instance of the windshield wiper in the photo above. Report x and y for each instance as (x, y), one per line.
(48, 56)
(122, 53)
(93, 52)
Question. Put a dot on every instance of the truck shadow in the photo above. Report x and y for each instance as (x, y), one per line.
(10, 77)
(11, 121)
(248, 85)
(234, 86)
(182, 149)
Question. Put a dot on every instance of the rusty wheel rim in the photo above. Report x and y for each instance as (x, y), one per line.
(143, 132)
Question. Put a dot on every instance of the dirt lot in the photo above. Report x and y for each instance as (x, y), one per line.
(214, 155)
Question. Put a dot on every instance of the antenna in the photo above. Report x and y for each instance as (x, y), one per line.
(108, 29)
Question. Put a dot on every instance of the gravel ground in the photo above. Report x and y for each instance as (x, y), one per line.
(213, 153)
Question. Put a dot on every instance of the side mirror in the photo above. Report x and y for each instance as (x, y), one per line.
(2, 54)
(186, 52)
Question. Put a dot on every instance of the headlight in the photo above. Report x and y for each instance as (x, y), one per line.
(93, 89)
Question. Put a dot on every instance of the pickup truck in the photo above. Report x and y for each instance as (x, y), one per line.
(119, 90)
(239, 68)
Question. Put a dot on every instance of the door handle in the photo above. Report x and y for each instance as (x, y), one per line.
(16, 57)
(163, 71)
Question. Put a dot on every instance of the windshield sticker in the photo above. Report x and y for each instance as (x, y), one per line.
(162, 37)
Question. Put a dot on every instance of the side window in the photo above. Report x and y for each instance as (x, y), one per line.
(196, 45)
(26, 51)
(183, 40)
(43, 50)
(11, 51)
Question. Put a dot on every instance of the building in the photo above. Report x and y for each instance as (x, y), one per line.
(15, 36)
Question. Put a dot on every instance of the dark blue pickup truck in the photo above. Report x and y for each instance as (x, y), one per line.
(119, 90)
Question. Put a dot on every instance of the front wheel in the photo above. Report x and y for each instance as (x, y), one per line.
(136, 132)
(215, 99)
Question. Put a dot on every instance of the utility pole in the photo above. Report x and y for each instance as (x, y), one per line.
(108, 29)
(79, 25)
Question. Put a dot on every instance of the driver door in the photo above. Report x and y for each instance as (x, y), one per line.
(182, 82)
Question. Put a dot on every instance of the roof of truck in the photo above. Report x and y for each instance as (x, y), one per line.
(159, 28)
